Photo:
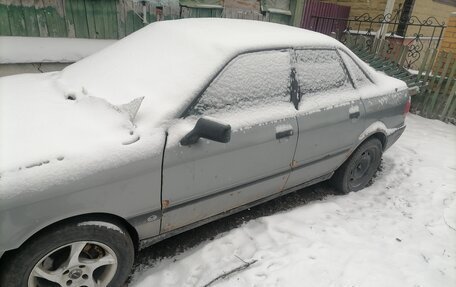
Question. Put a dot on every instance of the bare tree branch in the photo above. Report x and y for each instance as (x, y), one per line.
(237, 269)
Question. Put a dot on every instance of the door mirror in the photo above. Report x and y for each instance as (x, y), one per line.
(207, 129)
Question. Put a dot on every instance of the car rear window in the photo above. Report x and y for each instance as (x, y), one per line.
(319, 72)
(359, 76)
(251, 80)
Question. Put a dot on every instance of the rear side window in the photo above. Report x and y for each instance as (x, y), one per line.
(319, 72)
(251, 80)
(359, 77)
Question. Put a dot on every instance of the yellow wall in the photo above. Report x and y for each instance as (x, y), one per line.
(425, 8)
(449, 38)
(422, 9)
(359, 7)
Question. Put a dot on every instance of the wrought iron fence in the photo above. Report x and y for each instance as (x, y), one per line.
(395, 28)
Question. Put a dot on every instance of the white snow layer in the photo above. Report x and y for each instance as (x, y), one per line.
(401, 231)
(170, 62)
(101, 224)
(42, 50)
(50, 137)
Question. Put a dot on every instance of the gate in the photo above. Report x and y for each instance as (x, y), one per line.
(315, 10)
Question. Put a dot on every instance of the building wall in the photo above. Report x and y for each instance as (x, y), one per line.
(422, 9)
(359, 7)
(449, 38)
(426, 8)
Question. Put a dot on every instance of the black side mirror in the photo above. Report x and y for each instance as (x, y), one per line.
(207, 129)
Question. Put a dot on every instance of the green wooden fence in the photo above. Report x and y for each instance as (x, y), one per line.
(114, 19)
(434, 83)
(437, 97)
(97, 19)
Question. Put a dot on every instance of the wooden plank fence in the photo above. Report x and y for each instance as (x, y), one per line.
(434, 82)
(436, 99)
(96, 19)
(111, 19)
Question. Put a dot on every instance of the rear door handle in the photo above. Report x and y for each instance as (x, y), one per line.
(354, 112)
(284, 134)
(354, 115)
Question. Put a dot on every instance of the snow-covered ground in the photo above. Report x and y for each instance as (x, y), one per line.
(401, 231)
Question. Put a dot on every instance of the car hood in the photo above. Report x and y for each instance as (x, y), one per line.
(50, 135)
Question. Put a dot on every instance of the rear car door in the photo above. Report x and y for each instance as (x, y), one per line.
(330, 114)
(252, 94)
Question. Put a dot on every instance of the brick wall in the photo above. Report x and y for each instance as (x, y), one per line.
(359, 7)
(422, 9)
(448, 43)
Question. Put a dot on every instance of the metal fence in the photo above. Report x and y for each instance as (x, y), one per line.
(410, 31)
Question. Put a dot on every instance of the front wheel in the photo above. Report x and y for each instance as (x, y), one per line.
(82, 254)
(359, 168)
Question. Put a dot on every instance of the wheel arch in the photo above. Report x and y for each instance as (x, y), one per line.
(379, 135)
(377, 130)
(106, 217)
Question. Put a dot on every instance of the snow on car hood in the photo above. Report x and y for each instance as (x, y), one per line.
(49, 136)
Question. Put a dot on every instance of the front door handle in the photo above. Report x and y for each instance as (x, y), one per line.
(284, 133)
(354, 112)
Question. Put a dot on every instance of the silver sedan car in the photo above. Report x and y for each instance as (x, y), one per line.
(174, 126)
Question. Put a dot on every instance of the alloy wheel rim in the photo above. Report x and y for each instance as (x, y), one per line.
(78, 264)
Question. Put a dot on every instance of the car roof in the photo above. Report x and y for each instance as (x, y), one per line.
(169, 62)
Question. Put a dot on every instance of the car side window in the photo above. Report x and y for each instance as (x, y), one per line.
(319, 72)
(358, 75)
(249, 81)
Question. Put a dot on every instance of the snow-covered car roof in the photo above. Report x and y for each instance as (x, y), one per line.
(62, 126)
(169, 62)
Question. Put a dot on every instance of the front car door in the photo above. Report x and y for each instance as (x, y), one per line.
(252, 94)
(330, 114)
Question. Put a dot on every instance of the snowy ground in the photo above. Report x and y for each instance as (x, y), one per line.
(401, 231)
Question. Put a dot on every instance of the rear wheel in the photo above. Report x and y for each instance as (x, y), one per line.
(84, 254)
(359, 168)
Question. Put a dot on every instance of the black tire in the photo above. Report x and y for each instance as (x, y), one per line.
(358, 170)
(17, 265)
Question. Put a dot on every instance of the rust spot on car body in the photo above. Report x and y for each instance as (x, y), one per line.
(165, 203)
(293, 164)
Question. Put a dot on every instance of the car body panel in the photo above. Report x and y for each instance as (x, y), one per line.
(215, 177)
(326, 139)
(127, 192)
(329, 121)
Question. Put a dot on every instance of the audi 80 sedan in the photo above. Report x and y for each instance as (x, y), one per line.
(178, 124)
